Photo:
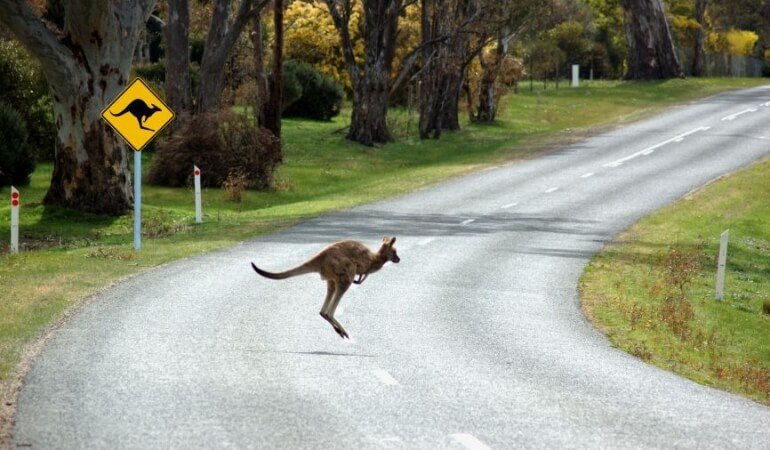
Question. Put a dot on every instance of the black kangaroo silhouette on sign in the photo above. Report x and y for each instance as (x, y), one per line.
(139, 109)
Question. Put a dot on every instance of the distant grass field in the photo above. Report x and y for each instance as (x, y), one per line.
(67, 256)
(652, 291)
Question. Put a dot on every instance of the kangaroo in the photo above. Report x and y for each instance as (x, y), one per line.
(139, 109)
(339, 264)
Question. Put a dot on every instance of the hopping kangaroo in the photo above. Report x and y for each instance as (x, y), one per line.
(139, 109)
(338, 264)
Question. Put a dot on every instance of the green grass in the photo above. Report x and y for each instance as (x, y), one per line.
(720, 343)
(68, 256)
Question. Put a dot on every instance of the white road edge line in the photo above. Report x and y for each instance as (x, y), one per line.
(553, 189)
(651, 149)
(469, 441)
(733, 116)
(385, 377)
(466, 222)
(509, 205)
(587, 175)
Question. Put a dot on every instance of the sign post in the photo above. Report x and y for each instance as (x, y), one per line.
(721, 264)
(198, 206)
(14, 220)
(138, 115)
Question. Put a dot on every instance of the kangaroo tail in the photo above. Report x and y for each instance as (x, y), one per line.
(121, 113)
(300, 270)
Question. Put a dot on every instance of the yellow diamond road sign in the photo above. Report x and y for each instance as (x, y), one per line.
(138, 114)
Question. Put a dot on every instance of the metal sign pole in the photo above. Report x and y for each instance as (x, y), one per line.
(137, 200)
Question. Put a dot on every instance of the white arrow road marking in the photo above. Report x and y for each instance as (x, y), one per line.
(651, 149)
(733, 116)
(469, 441)
(385, 377)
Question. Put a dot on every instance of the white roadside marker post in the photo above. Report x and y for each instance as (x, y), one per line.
(198, 206)
(575, 75)
(14, 220)
(721, 264)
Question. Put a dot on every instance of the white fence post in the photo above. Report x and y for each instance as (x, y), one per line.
(14, 220)
(721, 264)
(198, 206)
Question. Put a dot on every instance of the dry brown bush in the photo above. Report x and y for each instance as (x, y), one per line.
(220, 144)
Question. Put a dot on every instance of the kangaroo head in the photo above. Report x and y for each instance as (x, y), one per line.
(155, 108)
(388, 250)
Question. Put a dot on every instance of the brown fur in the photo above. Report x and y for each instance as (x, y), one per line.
(339, 264)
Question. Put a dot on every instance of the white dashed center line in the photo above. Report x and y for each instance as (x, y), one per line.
(553, 189)
(509, 205)
(469, 441)
(385, 377)
(466, 222)
(733, 116)
(587, 175)
(650, 150)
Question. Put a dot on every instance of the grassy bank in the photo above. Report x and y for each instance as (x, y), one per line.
(68, 256)
(652, 291)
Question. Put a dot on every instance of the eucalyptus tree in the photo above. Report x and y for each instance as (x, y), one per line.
(86, 62)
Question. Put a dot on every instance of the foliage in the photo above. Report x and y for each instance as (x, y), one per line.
(221, 144)
(320, 96)
(152, 72)
(24, 88)
(733, 42)
(15, 162)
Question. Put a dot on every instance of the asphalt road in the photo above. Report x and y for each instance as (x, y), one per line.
(475, 340)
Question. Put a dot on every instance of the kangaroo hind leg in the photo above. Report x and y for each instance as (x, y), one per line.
(330, 288)
(341, 287)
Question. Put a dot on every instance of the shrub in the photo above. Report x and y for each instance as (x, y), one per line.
(15, 162)
(154, 72)
(24, 89)
(321, 96)
(221, 144)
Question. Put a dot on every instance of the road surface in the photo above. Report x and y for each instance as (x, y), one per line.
(475, 340)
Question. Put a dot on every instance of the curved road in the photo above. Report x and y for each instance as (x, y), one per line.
(475, 340)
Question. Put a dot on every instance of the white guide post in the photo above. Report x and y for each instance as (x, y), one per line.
(721, 264)
(198, 206)
(14, 220)
(575, 75)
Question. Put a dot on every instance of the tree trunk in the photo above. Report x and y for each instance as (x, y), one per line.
(651, 54)
(699, 56)
(219, 45)
(490, 75)
(178, 85)
(260, 72)
(86, 65)
(371, 85)
(275, 100)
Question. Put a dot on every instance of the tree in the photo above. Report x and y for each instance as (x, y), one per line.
(221, 39)
(178, 84)
(86, 63)
(651, 54)
(699, 53)
(371, 83)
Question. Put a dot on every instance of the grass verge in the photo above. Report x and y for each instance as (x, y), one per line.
(67, 256)
(652, 290)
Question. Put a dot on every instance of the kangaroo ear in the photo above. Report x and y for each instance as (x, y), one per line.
(392, 241)
(385, 239)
